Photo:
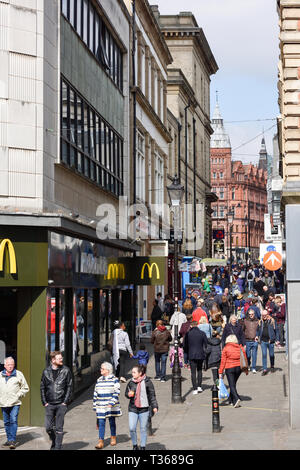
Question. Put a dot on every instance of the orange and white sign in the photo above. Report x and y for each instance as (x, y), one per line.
(272, 260)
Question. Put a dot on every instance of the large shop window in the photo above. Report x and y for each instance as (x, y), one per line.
(88, 144)
(88, 24)
(78, 324)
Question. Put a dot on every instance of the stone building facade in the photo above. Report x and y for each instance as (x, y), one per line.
(289, 169)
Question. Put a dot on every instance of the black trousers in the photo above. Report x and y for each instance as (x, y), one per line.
(232, 375)
(120, 372)
(55, 416)
(196, 372)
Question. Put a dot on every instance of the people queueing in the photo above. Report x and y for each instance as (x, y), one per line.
(13, 387)
(56, 390)
(106, 403)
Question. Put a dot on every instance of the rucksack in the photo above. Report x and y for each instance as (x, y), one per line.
(250, 276)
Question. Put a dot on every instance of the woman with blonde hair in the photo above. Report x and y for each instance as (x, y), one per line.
(205, 327)
(230, 363)
(106, 403)
(217, 322)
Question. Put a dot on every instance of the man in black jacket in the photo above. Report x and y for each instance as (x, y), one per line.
(56, 391)
(194, 344)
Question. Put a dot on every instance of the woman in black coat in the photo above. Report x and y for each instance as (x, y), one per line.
(214, 353)
(194, 344)
(142, 404)
(233, 328)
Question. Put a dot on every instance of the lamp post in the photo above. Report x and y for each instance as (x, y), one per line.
(176, 192)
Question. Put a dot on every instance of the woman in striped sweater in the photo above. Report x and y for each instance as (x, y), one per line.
(106, 403)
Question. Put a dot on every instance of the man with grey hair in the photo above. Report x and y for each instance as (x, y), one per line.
(13, 387)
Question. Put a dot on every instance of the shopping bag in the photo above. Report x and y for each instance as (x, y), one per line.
(223, 392)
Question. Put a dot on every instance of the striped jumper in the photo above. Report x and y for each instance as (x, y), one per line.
(106, 392)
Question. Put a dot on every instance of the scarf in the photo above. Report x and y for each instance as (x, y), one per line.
(161, 328)
(7, 375)
(141, 399)
(115, 353)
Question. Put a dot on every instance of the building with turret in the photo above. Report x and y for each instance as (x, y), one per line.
(238, 214)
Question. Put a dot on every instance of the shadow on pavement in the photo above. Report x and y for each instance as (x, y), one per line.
(155, 446)
(27, 437)
(77, 445)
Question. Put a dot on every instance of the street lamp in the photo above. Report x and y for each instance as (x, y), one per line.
(176, 192)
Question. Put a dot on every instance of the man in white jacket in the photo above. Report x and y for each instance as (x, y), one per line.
(13, 387)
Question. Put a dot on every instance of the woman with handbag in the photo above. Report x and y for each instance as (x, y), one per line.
(142, 404)
(233, 362)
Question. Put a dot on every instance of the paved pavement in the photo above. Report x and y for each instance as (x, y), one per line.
(260, 424)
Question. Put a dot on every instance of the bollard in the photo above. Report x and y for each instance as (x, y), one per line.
(215, 409)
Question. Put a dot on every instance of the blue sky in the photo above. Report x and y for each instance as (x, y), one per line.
(243, 36)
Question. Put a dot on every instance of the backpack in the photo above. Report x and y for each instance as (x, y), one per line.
(250, 276)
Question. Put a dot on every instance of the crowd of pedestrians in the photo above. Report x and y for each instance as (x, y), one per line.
(230, 316)
(220, 328)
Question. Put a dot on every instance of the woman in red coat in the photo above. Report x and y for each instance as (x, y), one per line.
(230, 362)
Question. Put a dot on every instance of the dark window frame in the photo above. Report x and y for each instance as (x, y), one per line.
(92, 165)
(111, 62)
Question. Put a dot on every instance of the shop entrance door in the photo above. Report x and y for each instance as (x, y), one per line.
(8, 324)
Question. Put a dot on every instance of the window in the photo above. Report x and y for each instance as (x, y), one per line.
(159, 179)
(140, 166)
(215, 213)
(214, 175)
(221, 193)
(233, 194)
(221, 174)
(221, 211)
(88, 143)
(95, 34)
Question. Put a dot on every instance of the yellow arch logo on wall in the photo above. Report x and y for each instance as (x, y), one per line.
(11, 254)
(150, 270)
(115, 271)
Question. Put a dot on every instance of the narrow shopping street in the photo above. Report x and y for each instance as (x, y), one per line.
(260, 424)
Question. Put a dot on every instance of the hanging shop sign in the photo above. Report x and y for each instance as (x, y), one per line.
(6, 243)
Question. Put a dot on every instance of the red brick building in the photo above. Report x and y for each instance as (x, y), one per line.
(242, 193)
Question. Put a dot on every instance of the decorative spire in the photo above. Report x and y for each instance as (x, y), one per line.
(219, 139)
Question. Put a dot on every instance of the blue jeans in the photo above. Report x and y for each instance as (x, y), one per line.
(161, 364)
(251, 352)
(10, 418)
(264, 349)
(112, 423)
(133, 420)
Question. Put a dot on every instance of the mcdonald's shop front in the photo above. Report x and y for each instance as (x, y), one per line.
(59, 292)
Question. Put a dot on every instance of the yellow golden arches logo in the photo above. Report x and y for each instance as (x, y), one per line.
(150, 270)
(115, 271)
(11, 254)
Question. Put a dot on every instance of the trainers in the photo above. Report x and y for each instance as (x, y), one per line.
(163, 380)
(253, 371)
(195, 392)
(264, 372)
(156, 378)
(6, 444)
(200, 389)
(12, 445)
(237, 404)
(135, 448)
